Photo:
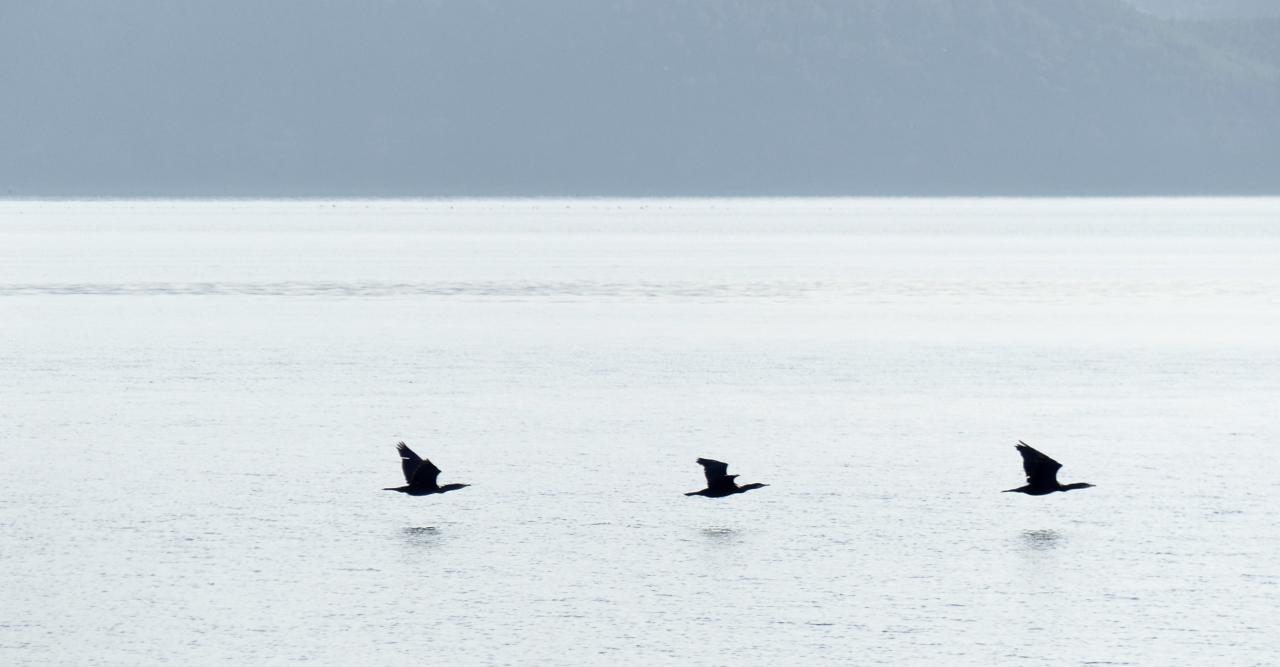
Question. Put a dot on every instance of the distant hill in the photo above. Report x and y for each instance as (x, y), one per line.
(633, 97)
(1211, 9)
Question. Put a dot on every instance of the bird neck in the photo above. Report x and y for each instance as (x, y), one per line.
(1077, 485)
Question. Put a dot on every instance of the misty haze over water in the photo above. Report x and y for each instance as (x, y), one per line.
(615, 97)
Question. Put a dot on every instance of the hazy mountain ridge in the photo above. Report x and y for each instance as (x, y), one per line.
(1256, 39)
(626, 97)
(1210, 9)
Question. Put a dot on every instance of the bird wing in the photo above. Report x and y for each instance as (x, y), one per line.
(417, 470)
(717, 472)
(1041, 470)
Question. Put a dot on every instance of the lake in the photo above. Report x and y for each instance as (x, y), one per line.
(199, 402)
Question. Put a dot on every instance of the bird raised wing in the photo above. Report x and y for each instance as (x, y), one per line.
(717, 473)
(418, 472)
(1041, 470)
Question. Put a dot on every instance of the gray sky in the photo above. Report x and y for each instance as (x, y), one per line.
(624, 97)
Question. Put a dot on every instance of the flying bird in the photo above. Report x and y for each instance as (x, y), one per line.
(1042, 474)
(420, 474)
(719, 482)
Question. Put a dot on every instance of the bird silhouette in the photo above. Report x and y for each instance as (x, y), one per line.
(719, 482)
(1042, 474)
(421, 475)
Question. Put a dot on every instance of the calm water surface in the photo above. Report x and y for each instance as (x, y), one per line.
(199, 402)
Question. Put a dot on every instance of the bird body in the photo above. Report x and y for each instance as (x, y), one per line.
(719, 483)
(411, 491)
(1042, 474)
(421, 475)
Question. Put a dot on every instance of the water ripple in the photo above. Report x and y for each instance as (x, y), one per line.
(1001, 291)
(487, 289)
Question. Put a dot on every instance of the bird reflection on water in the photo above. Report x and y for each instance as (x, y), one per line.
(422, 535)
(1042, 540)
(721, 535)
